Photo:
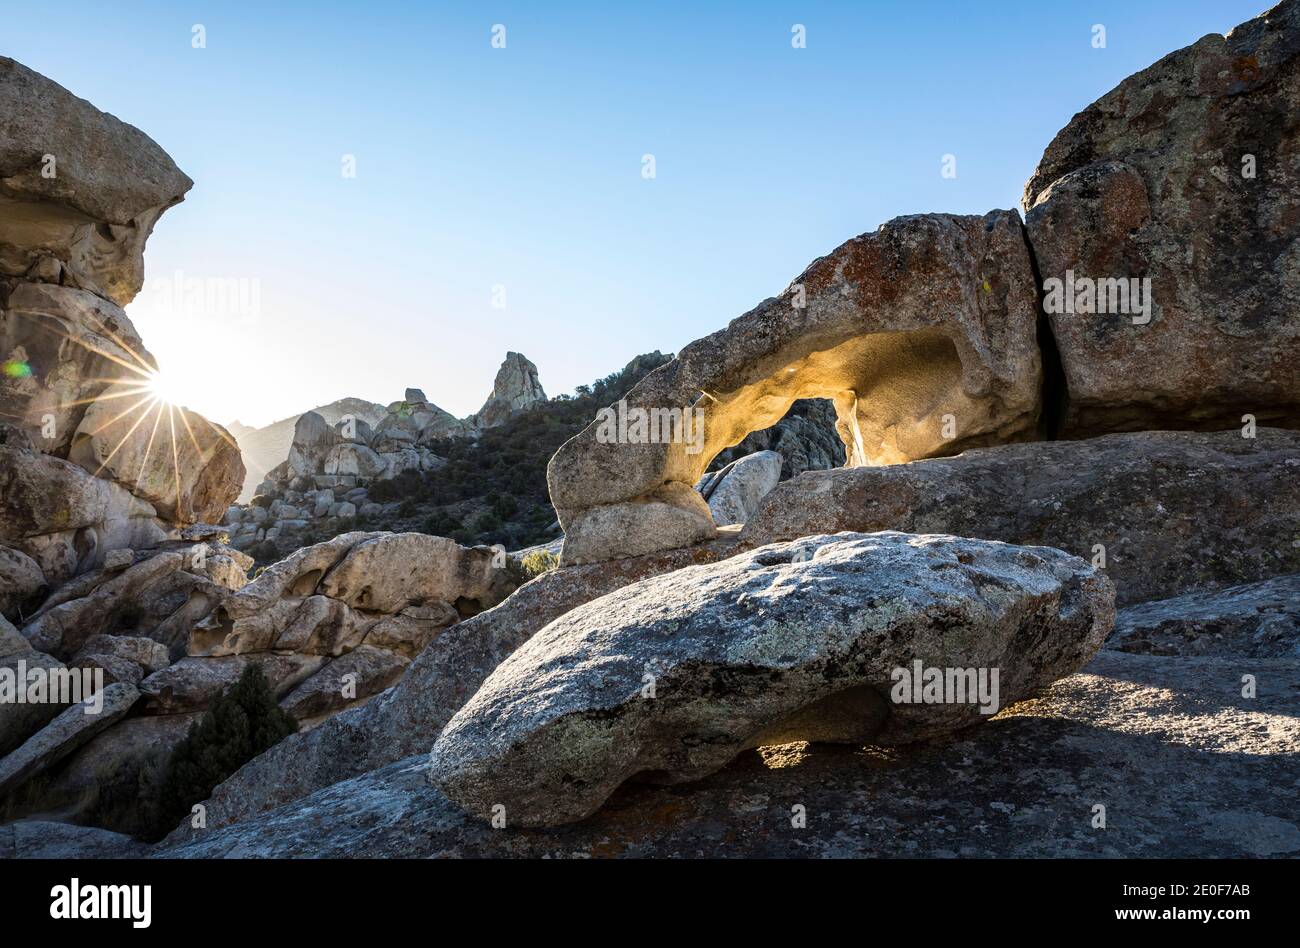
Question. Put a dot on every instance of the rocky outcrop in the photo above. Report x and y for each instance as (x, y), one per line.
(673, 677)
(323, 486)
(330, 627)
(73, 727)
(266, 448)
(64, 519)
(930, 338)
(1182, 176)
(1253, 620)
(733, 493)
(805, 438)
(80, 189)
(325, 599)
(92, 461)
(158, 598)
(445, 675)
(1118, 734)
(516, 387)
(1168, 511)
(923, 334)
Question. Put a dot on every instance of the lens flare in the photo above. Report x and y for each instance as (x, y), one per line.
(164, 388)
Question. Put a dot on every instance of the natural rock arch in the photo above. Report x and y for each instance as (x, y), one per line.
(923, 334)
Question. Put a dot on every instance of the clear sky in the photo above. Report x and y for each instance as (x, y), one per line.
(521, 168)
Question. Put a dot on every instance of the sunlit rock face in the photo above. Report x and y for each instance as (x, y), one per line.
(923, 334)
(1184, 175)
(516, 387)
(80, 190)
(183, 464)
(65, 520)
(62, 347)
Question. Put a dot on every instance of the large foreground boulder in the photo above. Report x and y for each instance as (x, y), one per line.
(1184, 176)
(674, 676)
(922, 333)
(1165, 512)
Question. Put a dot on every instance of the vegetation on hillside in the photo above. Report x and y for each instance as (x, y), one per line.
(493, 488)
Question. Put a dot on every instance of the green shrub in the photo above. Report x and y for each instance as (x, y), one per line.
(239, 725)
(538, 562)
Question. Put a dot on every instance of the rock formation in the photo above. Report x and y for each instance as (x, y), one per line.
(330, 627)
(515, 388)
(922, 333)
(1135, 725)
(1163, 511)
(92, 461)
(323, 484)
(805, 438)
(446, 674)
(974, 415)
(1183, 175)
(925, 333)
(672, 677)
(266, 448)
(734, 492)
(81, 190)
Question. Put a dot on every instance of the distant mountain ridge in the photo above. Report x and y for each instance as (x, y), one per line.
(515, 388)
(264, 448)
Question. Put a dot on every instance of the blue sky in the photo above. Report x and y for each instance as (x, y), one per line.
(522, 167)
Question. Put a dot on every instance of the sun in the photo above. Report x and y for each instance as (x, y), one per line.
(165, 388)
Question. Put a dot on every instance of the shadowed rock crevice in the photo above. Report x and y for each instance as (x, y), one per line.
(1056, 390)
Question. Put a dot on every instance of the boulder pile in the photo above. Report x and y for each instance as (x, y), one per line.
(323, 485)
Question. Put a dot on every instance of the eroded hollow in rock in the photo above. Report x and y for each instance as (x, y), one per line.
(922, 334)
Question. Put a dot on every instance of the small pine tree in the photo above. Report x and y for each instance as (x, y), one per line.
(240, 724)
